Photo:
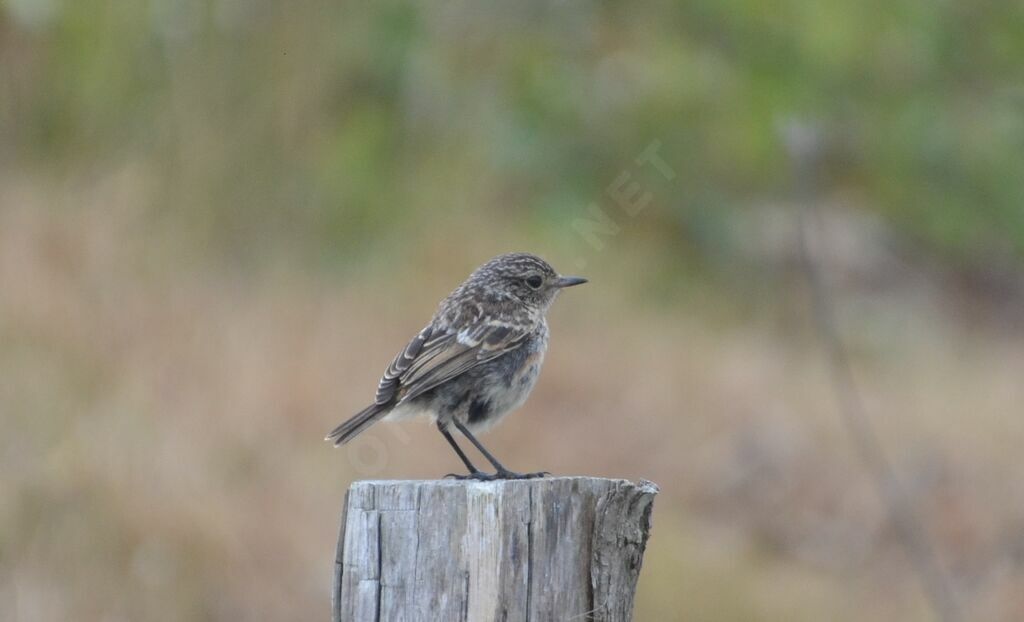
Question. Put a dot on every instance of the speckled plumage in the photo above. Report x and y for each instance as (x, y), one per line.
(477, 359)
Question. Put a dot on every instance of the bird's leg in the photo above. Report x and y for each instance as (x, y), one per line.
(501, 471)
(474, 473)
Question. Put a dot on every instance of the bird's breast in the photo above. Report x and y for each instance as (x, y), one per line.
(528, 371)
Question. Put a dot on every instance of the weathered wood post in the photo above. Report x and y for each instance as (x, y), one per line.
(551, 549)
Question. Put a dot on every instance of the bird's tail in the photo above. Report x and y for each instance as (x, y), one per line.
(362, 420)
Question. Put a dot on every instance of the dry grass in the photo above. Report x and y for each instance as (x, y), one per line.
(162, 455)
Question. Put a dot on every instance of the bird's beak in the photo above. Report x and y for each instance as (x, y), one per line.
(569, 281)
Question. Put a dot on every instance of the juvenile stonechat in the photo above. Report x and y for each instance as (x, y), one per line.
(477, 359)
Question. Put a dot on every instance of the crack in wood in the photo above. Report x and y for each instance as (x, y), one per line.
(380, 562)
(529, 555)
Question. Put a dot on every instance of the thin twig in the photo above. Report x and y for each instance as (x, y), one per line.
(804, 146)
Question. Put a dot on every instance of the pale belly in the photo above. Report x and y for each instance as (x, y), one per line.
(505, 399)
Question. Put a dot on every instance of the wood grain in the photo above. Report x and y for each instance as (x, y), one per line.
(557, 548)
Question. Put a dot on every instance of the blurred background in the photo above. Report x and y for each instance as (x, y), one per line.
(220, 219)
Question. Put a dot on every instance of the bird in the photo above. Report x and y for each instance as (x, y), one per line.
(476, 361)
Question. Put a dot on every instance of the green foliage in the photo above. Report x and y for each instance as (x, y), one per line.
(266, 125)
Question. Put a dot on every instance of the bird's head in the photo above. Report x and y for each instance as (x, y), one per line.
(524, 277)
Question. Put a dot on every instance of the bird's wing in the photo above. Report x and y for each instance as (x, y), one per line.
(434, 357)
(390, 382)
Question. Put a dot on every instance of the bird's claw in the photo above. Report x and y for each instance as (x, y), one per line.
(534, 475)
(480, 476)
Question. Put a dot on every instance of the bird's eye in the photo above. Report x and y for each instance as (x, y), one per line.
(535, 282)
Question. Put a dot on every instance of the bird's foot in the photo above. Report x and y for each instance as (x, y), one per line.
(480, 476)
(513, 475)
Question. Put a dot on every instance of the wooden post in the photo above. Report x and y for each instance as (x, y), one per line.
(551, 549)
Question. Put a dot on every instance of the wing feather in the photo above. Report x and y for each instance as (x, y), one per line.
(467, 350)
(389, 383)
(434, 357)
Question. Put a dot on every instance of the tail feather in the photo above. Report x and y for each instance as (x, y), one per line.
(362, 420)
